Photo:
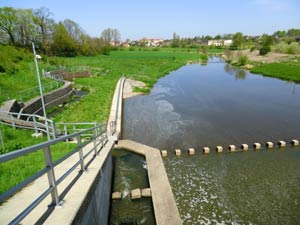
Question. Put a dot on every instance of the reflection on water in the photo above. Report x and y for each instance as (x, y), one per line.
(130, 172)
(211, 105)
(237, 188)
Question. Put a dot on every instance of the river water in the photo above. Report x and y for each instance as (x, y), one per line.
(211, 105)
(217, 104)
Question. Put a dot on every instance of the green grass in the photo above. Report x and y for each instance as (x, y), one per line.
(19, 74)
(285, 71)
(17, 138)
(15, 171)
(146, 66)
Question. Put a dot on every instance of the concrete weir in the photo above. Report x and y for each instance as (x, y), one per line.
(165, 209)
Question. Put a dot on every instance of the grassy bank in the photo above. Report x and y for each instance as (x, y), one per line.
(17, 170)
(18, 79)
(285, 71)
(146, 66)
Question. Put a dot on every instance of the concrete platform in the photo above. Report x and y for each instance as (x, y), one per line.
(164, 204)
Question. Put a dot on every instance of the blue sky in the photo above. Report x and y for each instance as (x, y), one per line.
(160, 18)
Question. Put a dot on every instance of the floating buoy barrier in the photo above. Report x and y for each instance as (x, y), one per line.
(269, 145)
(164, 153)
(136, 193)
(257, 146)
(231, 148)
(116, 195)
(281, 144)
(191, 151)
(206, 150)
(177, 152)
(295, 142)
(219, 149)
(244, 147)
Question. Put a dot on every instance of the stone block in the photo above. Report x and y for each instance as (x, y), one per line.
(206, 150)
(191, 151)
(136, 193)
(244, 147)
(219, 149)
(269, 144)
(281, 144)
(177, 152)
(232, 148)
(164, 153)
(295, 142)
(116, 195)
(257, 146)
(146, 192)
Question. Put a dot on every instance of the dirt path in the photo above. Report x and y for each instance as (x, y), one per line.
(129, 87)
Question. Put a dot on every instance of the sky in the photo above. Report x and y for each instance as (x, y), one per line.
(136, 19)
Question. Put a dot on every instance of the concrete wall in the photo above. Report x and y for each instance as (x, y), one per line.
(95, 209)
(34, 106)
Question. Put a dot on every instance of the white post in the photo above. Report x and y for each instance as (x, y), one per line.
(41, 91)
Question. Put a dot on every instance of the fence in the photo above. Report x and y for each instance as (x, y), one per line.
(28, 121)
(99, 138)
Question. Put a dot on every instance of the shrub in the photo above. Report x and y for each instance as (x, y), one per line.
(243, 59)
(233, 47)
(293, 48)
(264, 50)
(2, 69)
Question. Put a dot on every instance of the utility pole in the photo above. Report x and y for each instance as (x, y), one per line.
(41, 91)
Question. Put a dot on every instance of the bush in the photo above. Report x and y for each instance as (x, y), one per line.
(264, 50)
(2, 69)
(233, 47)
(243, 59)
(293, 48)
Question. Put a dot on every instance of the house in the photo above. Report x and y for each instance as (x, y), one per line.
(227, 42)
(215, 43)
(152, 42)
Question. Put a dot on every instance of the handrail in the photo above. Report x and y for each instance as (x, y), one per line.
(99, 138)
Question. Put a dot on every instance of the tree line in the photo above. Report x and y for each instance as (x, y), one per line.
(21, 27)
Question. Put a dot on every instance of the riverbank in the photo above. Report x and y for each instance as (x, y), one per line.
(277, 65)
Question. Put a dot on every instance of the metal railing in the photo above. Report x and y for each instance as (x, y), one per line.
(28, 121)
(70, 128)
(99, 138)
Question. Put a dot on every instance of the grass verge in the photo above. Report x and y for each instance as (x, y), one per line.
(285, 71)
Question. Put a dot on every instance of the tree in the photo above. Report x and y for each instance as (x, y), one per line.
(63, 44)
(237, 39)
(26, 29)
(45, 23)
(73, 29)
(175, 41)
(8, 21)
(110, 34)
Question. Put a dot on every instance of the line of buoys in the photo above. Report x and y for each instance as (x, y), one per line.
(233, 148)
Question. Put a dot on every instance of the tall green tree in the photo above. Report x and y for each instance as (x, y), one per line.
(8, 22)
(26, 29)
(237, 39)
(42, 18)
(63, 44)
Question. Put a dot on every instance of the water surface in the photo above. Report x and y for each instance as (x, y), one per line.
(213, 105)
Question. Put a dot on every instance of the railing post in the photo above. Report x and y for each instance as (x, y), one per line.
(51, 175)
(53, 129)
(34, 124)
(95, 141)
(80, 152)
(66, 132)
